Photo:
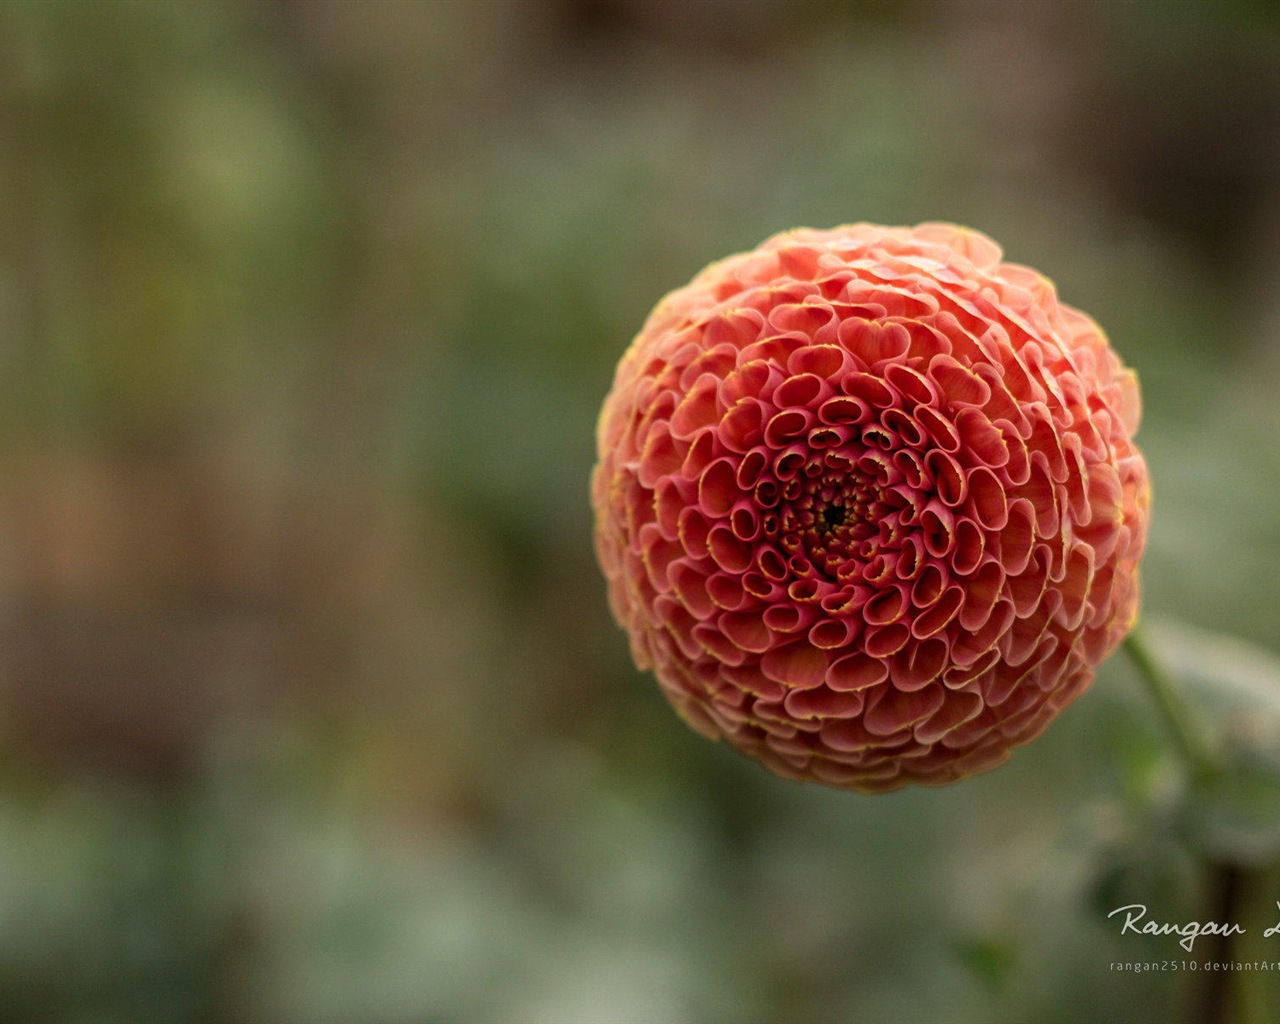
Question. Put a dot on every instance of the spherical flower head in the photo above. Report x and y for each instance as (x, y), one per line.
(868, 503)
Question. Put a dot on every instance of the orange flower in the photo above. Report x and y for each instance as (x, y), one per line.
(868, 503)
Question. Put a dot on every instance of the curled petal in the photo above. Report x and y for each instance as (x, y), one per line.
(913, 387)
(909, 464)
(897, 710)
(969, 548)
(798, 665)
(824, 361)
(743, 425)
(874, 343)
(775, 350)
(737, 327)
(929, 586)
(729, 553)
(982, 590)
(744, 521)
(808, 319)
(856, 671)
(692, 530)
(915, 667)
(937, 617)
(750, 468)
(690, 586)
(822, 703)
(750, 380)
(949, 479)
(833, 634)
(887, 606)
(938, 526)
(771, 564)
(701, 453)
(746, 631)
(982, 439)
(827, 437)
(787, 426)
(699, 409)
(719, 646)
(903, 427)
(1018, 537)
(987, 498)
(885, 640)
(844, 409)
(1042, 494)
(661, 456)
(803, 391)
(958, 383)
(718, 488)
(940, 429)
(788, 618)
(872, 391)
(954, 712)
(848, 736)
(727, 590)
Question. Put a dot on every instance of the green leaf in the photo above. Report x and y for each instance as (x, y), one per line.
(991, 960)
(1234, 687)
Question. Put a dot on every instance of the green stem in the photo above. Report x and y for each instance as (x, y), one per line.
(1188, 740)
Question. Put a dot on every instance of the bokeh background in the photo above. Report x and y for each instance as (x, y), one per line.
(310, 706)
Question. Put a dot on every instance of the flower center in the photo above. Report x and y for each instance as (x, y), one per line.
(826, 523)
(833, 516)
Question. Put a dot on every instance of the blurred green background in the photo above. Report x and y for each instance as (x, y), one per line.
(310, 706)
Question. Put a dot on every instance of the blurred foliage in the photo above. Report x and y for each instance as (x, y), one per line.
(1234, 814)
(310, 705)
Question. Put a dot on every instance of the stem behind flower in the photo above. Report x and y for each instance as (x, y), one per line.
(1191, 744)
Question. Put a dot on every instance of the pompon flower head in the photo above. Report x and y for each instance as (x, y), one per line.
(868, 503)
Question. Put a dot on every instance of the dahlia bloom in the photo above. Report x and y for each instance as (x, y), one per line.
(868, 503)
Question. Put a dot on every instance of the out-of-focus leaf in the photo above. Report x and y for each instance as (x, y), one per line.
(1149, 869)
(1236, 816)
(990, 959)
(1236, 686)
